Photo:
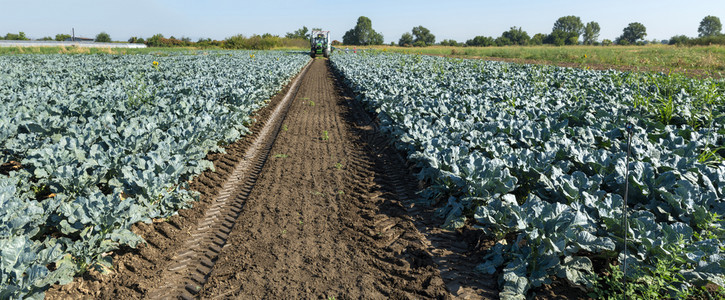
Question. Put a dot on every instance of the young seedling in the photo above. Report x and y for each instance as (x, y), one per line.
(325, 135)
(338, 166)
(281, 155)
(284, 127)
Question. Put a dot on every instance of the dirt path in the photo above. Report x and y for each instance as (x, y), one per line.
(312, 227)
(330, 215)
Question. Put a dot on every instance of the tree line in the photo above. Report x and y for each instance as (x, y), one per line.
(709, 32)
(20, 36)
(267, 41)
(567, 30)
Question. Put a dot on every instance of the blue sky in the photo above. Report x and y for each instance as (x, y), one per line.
(454, 19)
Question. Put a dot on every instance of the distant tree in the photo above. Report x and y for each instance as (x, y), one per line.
(558, 37)
(632, 33)
(62, 37)
(235, 42)
(47, 38)
(449, 43)
(710, 26)
(186, 39)
(103, 38)
(516, 36)
(207, 42)
(679, 40)
(606, 42)
(16, 37)
(568, 29)
(423, 35)
(406, 40)
(537, 39)
(350, 38)
(298, 34)
(503, 41)
(134, 39)
(156, 41)
(591, 33)
(362, 34)
(336, 42)
(481, 41)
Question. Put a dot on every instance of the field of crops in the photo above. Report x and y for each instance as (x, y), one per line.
(91, 144)
(536, 156)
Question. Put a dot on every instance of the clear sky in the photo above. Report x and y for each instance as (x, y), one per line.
(455, 19)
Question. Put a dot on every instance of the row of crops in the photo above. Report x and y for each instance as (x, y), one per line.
(536, 157)
(92, 144)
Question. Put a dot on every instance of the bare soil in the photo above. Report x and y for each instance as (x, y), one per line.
(312, 227)
(12, 165)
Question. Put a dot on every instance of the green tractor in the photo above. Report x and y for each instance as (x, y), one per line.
(320, 43)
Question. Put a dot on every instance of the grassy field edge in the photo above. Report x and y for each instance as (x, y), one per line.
(698, 61)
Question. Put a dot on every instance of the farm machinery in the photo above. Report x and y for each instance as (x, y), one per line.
(320, 43)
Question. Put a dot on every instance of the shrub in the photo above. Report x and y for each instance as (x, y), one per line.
(709, 40)
(103, 38)
(16, 37)
(679, 40)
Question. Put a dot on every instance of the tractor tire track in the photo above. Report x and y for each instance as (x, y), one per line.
(179, 251)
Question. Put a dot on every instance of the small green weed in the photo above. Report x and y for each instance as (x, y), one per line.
(281, 155)
(284, 127)
(666, 110)
(325, 135)
(710, 156)
(661, 281)
(139, 93)
(338, 166)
